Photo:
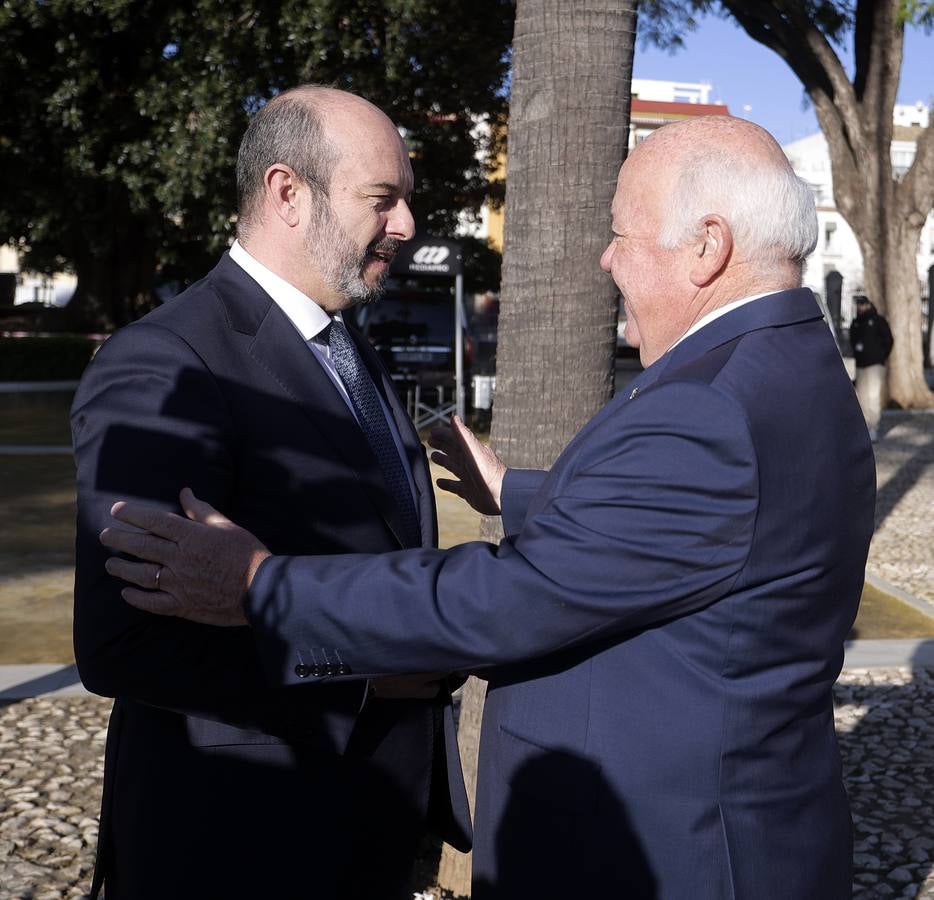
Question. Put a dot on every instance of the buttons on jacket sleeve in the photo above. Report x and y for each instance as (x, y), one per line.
(322, 671)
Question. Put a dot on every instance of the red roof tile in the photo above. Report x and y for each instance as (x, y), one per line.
(677, 110)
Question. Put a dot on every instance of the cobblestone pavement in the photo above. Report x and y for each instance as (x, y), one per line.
(51, 766)
(902, 549)
(885, 725)
(51, 750)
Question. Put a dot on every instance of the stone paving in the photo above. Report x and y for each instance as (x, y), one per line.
(902, 549)
(51, 747)
(51, 766)
(50, 775)
(885, 726)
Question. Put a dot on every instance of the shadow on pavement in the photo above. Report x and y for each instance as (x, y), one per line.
(65, 677)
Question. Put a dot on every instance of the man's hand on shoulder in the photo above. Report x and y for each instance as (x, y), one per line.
(198, 568)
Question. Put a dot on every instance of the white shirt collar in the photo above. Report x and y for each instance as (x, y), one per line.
(715, 314)
(308, 318)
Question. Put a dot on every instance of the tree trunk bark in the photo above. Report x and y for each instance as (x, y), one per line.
(883, 213)
(454, 868)
(568, 133)
(900, 301)
(888, 230)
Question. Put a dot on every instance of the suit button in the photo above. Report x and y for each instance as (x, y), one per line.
(302, 670)
(343, 670)
(317, 670)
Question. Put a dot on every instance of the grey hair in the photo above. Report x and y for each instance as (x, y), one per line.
(770, 210)
(288, 130)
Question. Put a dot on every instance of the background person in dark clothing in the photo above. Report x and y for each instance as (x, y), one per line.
(872, 343)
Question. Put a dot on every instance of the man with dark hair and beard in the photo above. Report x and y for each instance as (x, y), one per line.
(250, 387)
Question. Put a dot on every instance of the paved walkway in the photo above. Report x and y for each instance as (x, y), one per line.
(902, 550)
(52, 733)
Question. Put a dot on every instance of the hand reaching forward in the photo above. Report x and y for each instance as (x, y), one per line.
(479, 470)
(197, 568)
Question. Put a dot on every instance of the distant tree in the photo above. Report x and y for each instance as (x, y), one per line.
(568, 132)
(121, 119)
(885, 212)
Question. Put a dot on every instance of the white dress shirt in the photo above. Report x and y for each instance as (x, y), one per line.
(715, 314)
(309, 320)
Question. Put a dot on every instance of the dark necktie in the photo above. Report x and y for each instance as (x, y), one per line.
(347, 363)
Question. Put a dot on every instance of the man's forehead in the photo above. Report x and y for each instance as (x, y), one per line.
(386, 171)
(360, 125)
(628, 192)
(377, 164)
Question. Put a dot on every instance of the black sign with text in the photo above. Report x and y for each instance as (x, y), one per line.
(426, 255)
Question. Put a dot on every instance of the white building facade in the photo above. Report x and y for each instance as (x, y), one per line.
(671, 91)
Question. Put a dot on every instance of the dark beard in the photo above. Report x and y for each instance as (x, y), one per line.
(339, 260)
(386, 247)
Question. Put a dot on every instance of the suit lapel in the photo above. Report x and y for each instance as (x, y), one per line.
(772, 311)
(776, 310)
(280, 350)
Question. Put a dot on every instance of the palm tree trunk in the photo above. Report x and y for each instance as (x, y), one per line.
(568, 132)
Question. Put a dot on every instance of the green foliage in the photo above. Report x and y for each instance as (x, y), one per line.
(55, 358)
(665, 22)
(121, 118)
(918, 12)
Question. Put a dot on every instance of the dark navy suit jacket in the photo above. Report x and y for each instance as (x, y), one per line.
(665, 620)
(218, 783)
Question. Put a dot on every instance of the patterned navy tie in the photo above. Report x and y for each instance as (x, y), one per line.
(346, 361)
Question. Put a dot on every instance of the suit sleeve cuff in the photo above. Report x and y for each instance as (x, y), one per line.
(519, 486)
(282, 622)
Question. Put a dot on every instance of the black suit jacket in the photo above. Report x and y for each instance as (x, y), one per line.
(216, 783)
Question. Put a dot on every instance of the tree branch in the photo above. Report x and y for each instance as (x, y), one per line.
(806, 35)
(878, 42)
(763, 24)
(780, 26)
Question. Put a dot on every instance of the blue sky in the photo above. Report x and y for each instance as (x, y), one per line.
(744, 73)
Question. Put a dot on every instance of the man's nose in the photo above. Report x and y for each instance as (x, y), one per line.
(401, 224)
(607, 258)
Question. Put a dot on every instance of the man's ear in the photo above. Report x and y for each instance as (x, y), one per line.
(281, 186)
(711, 250)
